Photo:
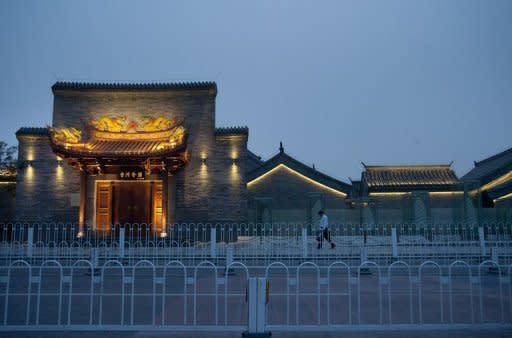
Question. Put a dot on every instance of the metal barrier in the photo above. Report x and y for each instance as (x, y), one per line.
(147, 296)
(258, 244)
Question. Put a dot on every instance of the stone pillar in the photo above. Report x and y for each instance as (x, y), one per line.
(165, 199)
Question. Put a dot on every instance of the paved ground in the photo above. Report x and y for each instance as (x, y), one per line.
(466, 333)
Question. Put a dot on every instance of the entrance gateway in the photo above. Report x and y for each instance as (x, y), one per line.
(134, 159)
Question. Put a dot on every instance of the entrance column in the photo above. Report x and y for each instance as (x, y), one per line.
(165, 199)
(83, 201)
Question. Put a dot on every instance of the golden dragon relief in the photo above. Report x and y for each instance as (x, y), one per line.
(121, 124)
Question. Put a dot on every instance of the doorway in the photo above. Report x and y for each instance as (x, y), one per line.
(129, 202)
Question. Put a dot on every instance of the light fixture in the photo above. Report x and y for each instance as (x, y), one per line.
(25, 164)
(203, 160)
(235, 161)
(59, 163)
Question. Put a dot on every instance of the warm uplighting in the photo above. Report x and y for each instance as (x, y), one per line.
(445, 193)
(389, 193)
(234, 171)
(496, 182)
(502, 197)
(305, 178)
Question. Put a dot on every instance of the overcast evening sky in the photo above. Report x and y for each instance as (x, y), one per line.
(339, 82)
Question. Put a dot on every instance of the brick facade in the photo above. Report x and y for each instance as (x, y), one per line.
(48, 192)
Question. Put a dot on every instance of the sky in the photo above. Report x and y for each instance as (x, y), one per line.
(338, 82)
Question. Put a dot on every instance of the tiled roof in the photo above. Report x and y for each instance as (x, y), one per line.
(32, 131)
(134, 86)
(102, 148)
(253, 161)
(410, 177)
(232, 130)
(283, 158)
(490, 168)
(8, 174)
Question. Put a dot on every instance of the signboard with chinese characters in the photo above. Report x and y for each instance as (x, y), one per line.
(131, 174)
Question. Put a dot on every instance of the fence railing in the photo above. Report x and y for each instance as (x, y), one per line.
(147, 296)
(258, 244)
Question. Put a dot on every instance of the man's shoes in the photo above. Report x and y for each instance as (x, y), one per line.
(333, 245)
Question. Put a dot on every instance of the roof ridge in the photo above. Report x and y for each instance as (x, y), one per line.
(284, 155)
(132, 85)
(408, 166)
(32, 130)
(493, 157)
(232, 130)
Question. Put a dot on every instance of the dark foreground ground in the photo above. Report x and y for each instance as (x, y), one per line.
(444, 333)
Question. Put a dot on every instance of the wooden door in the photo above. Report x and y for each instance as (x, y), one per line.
(157, 206)
(132, 202)
(104, 206)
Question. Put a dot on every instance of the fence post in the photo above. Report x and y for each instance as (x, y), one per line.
(121, 242)
(30, 242)
(213, 242)
(481, 237)
(394, 242)
(229, 259)
(304, 242)
(257, 299)
(364, 257)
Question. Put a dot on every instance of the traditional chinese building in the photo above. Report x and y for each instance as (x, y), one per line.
(128, 153)
(152, 154)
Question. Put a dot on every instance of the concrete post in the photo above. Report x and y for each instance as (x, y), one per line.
(481, 237)
(121, 242)
(394, 242)
(304, 242)
(213, 242)
(30, 242)
(257, 300)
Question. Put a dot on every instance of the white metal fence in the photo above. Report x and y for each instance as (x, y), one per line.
(51, 296)
(258, 244)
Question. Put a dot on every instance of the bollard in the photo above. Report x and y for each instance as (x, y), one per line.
(304, 242)
(121, 242)
(213, 242)
(30, 242)
(257, 299)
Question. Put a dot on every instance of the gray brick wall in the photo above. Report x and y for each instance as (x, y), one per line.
(214, 191)
(43, 190)
(292, 199)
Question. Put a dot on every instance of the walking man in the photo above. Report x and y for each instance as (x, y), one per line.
(324, 227)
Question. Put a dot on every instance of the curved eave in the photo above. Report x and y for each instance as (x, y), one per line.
(71, 152)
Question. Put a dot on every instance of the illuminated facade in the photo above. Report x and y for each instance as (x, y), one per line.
(152, 154)
(124, 153)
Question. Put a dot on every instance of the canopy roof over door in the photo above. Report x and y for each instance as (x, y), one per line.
(154, 143)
